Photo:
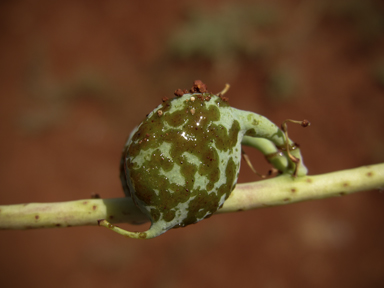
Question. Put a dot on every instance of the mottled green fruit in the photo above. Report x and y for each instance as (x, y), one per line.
(182, 162)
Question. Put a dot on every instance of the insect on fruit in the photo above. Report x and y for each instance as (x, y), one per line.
(182, 162)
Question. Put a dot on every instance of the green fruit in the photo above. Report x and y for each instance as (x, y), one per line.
(182, 162)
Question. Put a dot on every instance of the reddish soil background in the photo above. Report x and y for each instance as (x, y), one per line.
(77, 76)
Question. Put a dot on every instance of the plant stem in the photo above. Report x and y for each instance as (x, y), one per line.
(286, 189)
(280, 190)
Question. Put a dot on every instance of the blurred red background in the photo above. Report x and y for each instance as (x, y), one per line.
(77, 76)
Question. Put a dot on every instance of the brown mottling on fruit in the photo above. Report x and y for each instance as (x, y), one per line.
(293, 190)
(85, 202)
(369, 174)
(37, 217)
(94, 207)
(342, 193)
(58, 225)
(166, 98)
(287, 199)
(345, 184)
(308, 180)
(142, 235)
(111, 217)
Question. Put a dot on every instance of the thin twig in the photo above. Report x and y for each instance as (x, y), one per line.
(280, 190)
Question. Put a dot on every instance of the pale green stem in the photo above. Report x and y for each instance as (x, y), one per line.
(286, 189)
(271, 192)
